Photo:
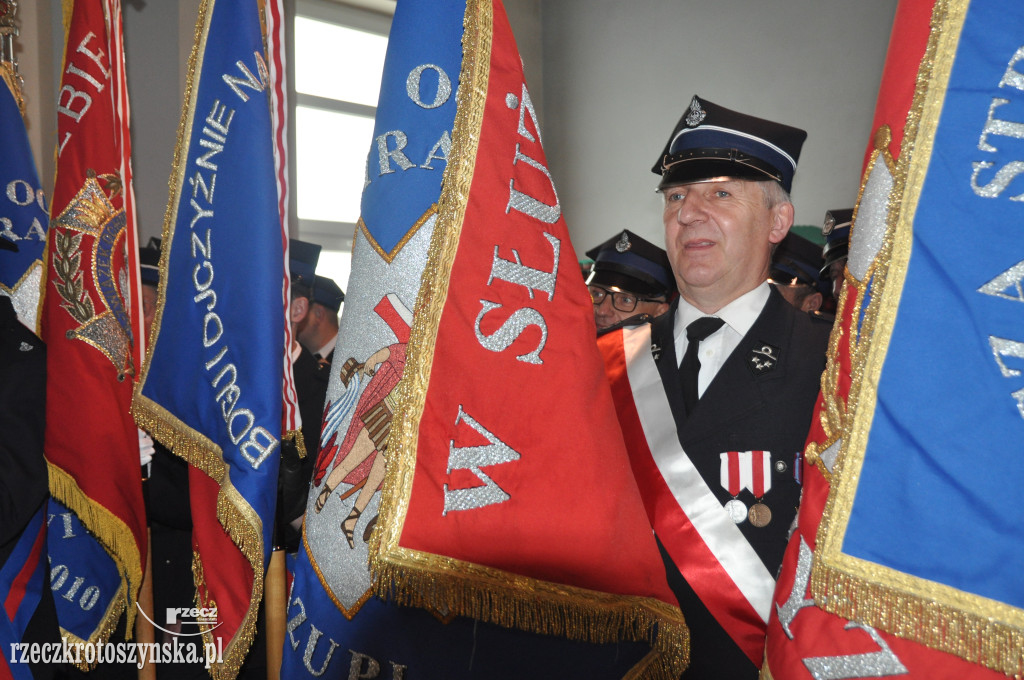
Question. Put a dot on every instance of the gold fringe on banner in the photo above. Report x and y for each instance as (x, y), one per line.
(974, 628)
(295, 437)
(115, 537)
(237, 517)
(460, 588)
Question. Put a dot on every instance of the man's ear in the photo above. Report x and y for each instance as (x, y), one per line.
(812, 302)
(782, 220)
(299, 309)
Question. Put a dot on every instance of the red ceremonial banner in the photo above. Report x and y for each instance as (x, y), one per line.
(92, 314)
(512, 479)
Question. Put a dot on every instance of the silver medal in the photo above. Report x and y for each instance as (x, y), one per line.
(737, 510)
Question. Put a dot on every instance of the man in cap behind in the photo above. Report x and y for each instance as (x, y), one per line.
(738, 369)
(796, 272)
(836, 231)
(311, 378)
(320, 331)
(630, 276)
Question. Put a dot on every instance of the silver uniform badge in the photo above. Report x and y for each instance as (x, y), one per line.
(623, 244)
(763, 359)
(829, 226)
(696, 114)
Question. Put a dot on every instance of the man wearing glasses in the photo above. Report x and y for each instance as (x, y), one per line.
(630, 277)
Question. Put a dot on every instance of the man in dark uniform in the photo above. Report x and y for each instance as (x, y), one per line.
(836, 230)
(24, 577)
(311, 379)
(796, 267)
(630, 276)
(320, 330)
(724, 383)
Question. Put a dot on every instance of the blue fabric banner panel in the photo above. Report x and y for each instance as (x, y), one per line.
(922, 534)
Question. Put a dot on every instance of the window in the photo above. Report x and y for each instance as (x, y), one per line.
(338, 58)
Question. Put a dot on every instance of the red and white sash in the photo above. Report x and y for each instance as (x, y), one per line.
(706, 545)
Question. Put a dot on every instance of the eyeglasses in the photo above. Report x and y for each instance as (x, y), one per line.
(624, 302)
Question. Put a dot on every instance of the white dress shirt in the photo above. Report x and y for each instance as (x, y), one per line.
(739, 315)
(327, 348)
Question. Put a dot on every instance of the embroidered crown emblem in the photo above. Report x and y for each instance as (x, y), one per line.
(623, 244)
(696, 114)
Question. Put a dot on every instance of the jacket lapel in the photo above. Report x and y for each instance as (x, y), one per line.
(738, 388)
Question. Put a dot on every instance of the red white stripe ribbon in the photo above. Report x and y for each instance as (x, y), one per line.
(746, 470)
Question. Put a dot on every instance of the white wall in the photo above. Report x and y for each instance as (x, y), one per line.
(610, 78)
(619, 74)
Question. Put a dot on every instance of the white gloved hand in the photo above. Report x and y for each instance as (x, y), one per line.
(146, 448)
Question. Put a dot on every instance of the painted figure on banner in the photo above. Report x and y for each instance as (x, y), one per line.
(359, 460)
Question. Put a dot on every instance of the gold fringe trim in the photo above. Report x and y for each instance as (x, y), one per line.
(114, 536)
(461, 588)
(511, 601)
(976, 629)
(974, 636)
(110, 618)
(295, 437)
(239, 520)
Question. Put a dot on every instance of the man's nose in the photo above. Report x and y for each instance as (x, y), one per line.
(689, 208)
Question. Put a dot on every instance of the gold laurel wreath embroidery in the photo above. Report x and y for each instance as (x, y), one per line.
(67, 267)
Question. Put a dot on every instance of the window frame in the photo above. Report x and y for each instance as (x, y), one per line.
(373, 16)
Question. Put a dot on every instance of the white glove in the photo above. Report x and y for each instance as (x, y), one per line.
(146, 448)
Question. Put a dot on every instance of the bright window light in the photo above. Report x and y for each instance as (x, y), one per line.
(338, 62)
(331, 149)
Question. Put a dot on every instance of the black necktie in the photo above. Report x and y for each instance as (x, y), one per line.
(688, 370)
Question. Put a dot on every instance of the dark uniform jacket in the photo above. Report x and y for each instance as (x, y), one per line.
(311, 377)
(24, 485)
(753, 404)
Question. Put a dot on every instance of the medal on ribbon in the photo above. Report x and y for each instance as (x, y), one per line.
(749, 470)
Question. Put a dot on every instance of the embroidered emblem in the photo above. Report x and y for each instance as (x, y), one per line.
(25, 347)
(91, 220)
(763, 359)
(623, 244)
(696, 114)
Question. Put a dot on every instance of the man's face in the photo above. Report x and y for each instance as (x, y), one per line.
(719, 235)
(606, 314)
(835, 272)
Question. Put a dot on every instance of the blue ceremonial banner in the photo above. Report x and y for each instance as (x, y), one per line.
(23, 215)
(212, 385)
(922, 537)
(83, 577)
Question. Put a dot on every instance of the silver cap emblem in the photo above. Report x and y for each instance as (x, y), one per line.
(623, 244)
(696, 114)
(830, 224)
